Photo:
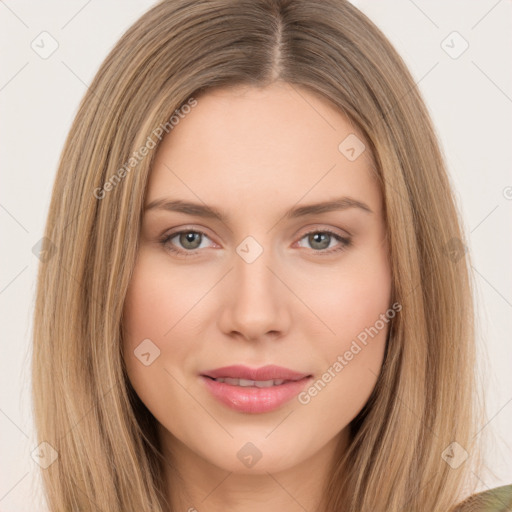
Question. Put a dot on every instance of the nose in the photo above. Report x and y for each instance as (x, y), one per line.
(255, 302)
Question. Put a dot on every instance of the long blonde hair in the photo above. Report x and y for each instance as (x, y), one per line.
(84, 405)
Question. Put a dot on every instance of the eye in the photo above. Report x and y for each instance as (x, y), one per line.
(320, 240)
(191, 240)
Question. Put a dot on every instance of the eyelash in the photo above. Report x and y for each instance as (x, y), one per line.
(345, 242)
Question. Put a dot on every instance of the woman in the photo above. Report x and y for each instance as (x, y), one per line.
(259, 295)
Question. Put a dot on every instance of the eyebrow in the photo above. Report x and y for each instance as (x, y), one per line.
(202, 210)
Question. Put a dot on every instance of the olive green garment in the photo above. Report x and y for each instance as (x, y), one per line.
(498, 499)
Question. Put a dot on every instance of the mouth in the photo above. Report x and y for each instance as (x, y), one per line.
(254, 390)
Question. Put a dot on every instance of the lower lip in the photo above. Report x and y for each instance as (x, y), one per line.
(253, 399)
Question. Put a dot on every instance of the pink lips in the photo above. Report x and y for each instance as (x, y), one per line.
(251, 399)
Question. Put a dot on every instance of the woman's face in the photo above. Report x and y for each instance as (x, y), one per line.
(271, 282)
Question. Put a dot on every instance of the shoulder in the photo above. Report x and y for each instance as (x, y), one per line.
(498, 499)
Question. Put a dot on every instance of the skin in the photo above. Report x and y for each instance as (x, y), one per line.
(253, 154)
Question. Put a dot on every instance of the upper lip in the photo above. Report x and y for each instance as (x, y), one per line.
(269, 372)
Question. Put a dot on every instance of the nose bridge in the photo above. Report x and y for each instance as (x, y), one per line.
(252, 274)
(255, 304)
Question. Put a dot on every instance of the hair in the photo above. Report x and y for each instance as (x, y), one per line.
(84, 405)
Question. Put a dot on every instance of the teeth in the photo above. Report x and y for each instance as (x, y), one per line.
(247, 383)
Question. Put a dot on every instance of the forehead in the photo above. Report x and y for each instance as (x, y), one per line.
(247, 146)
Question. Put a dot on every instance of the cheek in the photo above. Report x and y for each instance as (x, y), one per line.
(155, 303)
(352, 299)
(158, 301)
(355, 305)
(365, 299)
(148, 306)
